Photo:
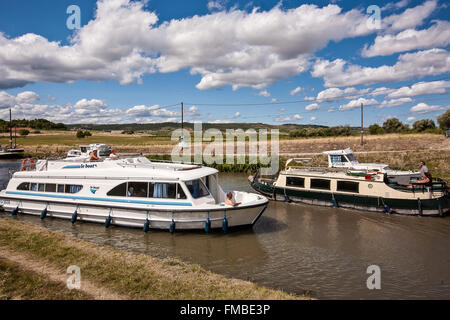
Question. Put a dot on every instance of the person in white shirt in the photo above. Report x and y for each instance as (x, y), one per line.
(113, 155)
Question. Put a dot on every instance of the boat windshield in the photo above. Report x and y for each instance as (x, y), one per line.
(351, 157)
(197, 188)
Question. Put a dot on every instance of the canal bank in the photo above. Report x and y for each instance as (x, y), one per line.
(43, 256)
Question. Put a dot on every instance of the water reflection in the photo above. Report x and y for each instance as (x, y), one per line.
(300, 247)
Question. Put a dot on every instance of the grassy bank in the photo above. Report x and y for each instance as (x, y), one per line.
(22, 284)
(128, 275)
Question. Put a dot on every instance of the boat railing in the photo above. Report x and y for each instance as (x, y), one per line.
(436, 185)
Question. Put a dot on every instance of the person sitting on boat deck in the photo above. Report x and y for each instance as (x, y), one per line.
(425, 174)
(229, 201)
(113, 155)
(93, 156)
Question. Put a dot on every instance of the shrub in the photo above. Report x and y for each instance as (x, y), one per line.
(80, 134)
(424, 124)
(375, 129)
(24, 132)
(444, 120)
(393, 125)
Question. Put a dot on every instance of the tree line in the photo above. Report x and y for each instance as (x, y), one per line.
(40, 124)
(393, 125)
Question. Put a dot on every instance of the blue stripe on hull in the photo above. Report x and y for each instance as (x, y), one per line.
(166, 203)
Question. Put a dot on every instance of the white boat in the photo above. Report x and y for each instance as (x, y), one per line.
(84, 151)
(345, 159)
(133, 192)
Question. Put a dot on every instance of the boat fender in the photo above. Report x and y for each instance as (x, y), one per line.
(74, 216)
(441, 212)
(14, 211)
(419, 206)
(108, 221)
(44, 213)
(225, 223)
(335, 204)
(386, 207)
(286, 197)
(207, 225)
(172, 227)
(146, 225)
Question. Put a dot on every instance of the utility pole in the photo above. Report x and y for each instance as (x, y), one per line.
(10, 129)
(362, 125)
(182, 116)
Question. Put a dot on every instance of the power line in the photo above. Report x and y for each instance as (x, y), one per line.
(332, 99)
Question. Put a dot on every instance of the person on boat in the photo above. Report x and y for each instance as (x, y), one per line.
(229, 201)
(425, 174)
(113, 155)
(93, 156)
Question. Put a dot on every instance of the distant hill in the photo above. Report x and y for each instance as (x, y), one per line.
(168, 127)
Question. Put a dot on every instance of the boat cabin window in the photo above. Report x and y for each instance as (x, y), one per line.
(197, 188)
(50, 187)
(137, 189)
(148, 189)
(351, 157)
(337, 158)
(348, 186)
(118, 191)
(320, 184)
(72, 188)
(295, 182)
(24, 186)
(164, 190)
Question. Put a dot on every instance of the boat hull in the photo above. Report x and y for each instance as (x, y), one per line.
(185, 219)
(424, 207)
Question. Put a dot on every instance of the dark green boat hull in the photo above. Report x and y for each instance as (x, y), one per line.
(432, 207)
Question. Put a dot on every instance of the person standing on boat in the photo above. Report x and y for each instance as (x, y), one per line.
(93, 156)
(229, 200)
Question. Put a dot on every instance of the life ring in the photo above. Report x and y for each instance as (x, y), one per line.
(24, 162)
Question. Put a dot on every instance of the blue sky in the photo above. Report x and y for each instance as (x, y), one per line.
(306, 62)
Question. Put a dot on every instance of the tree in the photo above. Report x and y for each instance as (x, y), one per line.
(424, 124)
(394, 125)
(444, 120)
(24, 132)
(80, 134)
(375, 129)
(87, 133)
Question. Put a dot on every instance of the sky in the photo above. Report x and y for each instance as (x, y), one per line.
(304, 62)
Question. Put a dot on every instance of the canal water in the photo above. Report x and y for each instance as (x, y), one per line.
(299, 248)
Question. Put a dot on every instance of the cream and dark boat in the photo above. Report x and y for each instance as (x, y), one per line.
(356, 189)
(133, 192)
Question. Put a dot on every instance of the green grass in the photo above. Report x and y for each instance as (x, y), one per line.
(18, 283)
(136, 276)
(71, 140)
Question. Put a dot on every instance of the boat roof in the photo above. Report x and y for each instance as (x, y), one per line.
(332, 173)
(342, 151)
(139, 168)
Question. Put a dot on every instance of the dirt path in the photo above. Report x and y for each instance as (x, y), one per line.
(27, 262)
